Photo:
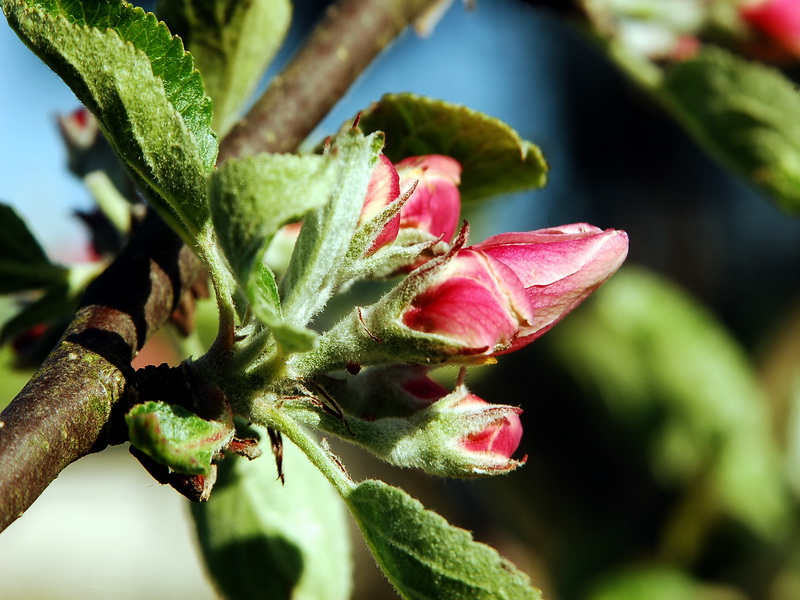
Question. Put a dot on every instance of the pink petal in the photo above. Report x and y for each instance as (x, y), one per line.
(475, 300)
(435, 204)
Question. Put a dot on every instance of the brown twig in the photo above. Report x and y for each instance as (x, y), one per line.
(350, 36)
(70, 406)
(67, 409)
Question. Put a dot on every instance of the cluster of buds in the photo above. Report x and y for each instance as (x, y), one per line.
(457, 304)
(427, 186)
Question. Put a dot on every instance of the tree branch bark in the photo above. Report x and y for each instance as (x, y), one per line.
(73, 404)
(347, 40)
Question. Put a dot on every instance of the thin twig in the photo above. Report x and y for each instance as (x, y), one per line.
(67, 409)
(350, 36)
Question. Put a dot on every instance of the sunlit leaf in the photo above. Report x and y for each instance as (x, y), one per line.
(494, 158)
(232, 42)
(251, 198)
(262, 539)
(321, 252)
(135, 77)
(426, 557)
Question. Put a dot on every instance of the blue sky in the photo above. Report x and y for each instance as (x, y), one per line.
(459, 63)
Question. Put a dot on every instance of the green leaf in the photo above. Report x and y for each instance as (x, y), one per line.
(320, 256)
(176, 437)
(261, 539)
(252, 197)
(744, 113)
(262, 292)
(136, 78)
(657, 583)
(427, 558)
(675, 381)
(23, 263)
(232, 42)
(494, 158)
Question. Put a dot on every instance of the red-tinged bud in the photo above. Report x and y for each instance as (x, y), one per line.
(424, 390)
(466, 436)
(388, 391)
(472, 300)
(778, 22)
(383, 189)
(79, 129)
(500, 437)
(558, 267)
(473, 303)
(450, 435)
(435, 204)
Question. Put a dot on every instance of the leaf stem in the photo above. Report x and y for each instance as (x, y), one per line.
(221, 280)
(270, 414)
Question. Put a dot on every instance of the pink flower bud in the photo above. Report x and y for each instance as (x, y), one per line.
(389, 391)
(383, 189)
(79, 129)
(779, 22)
(472, 299)
(558, 267)
(498, 439)
(454, 434)
(483, 300)
(435, 205)
(423, 390)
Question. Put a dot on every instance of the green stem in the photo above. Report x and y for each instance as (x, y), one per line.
(272, 415)
(221, 281)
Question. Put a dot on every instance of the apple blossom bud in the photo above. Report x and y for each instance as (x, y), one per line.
(79, 129)
(499, 438)
(476, 302)
(455, 435)
(387, 391)
(462, 435)
(473, 300)
(435, 204)
(778, 21)
(558, 267)
(383, 189)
